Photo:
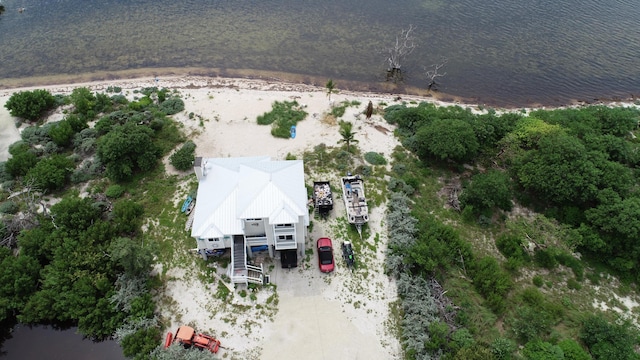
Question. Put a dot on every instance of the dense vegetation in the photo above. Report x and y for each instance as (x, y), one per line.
(578, 168)
(475, 281)
(82, 261)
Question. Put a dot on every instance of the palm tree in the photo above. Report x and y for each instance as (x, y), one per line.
(347, 133)
(330, 88)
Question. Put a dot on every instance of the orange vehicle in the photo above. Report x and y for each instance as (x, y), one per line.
(187, 336)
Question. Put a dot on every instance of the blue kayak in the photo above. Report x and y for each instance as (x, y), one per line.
(186, 203)
(293, 131)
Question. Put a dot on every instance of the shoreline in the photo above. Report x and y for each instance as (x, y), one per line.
(379, 88)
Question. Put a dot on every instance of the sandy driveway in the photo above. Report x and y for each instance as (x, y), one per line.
(309, 322)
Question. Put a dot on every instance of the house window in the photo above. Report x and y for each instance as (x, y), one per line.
(285, 237)
(283, 225)
(214, 239)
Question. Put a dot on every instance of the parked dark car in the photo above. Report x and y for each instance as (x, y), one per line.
(325, 255)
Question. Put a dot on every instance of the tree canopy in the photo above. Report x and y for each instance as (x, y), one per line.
(488, 190)
(51, 173)
(446, 139)
(126, 149)
(558, 171)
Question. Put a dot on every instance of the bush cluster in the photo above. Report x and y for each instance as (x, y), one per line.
(282, 116)
(183, 158)
(30, 105)
(172, 105)
(375, 158)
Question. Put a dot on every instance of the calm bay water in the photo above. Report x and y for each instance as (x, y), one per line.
(499, 52)
(42, 342)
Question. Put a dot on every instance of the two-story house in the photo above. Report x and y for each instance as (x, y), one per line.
(248, 203)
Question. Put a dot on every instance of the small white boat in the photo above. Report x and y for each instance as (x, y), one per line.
(355, 201)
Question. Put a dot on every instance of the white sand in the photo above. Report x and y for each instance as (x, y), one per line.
(8, 131)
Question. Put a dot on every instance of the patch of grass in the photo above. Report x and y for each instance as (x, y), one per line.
(282, 116)
(573, 284)
(222, 291)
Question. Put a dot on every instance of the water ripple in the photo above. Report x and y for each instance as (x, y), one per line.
(502, 51)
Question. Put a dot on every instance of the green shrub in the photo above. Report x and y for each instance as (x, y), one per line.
(573, 263)
(183, 159)
(375, 158)
(540, 350)
(530, 323)
(488, 190)
(62, 133)
(510, 245)
(546, 258)
(36, 135)
(572, 350)
(20, 163)
(114, 89)
(573, 284)
(51, 173)
(461, 338)
(119, 99)
(115, 191)
(503, 348)
(77, 123)
(4, 175)
(537, 281)
(532, 297)
(339, 110)
(492, 282)
(127, 149)
(172, 105)
(84, 102)
(30, 105)
(446, 140)
(9, 207)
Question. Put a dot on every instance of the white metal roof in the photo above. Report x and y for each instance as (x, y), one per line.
(233, 189)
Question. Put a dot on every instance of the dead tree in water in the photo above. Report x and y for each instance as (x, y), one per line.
(433, 74)
(404, 45)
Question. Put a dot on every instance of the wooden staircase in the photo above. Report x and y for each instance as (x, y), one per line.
(241, 272)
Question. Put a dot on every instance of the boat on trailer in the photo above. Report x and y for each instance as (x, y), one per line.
(355, 201)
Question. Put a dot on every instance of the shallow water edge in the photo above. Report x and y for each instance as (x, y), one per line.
(350, 85)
